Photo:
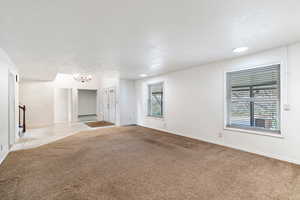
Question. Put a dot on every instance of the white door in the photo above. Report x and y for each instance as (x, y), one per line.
(12, 109)
(112, 105)
(109, 105)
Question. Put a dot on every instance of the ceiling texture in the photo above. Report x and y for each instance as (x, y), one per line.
(44, 37)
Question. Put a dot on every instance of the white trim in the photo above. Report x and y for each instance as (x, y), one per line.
(4, 156)
(245, 67)
(155, 118)
(179, 134)
(14, 74)
(283, 101)
(269, 155)
(256, 132)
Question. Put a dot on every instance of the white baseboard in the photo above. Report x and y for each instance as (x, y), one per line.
(269, 155)
(180, 134)
(3, 156)
(272, 155)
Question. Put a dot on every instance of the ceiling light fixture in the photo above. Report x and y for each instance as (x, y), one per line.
(143, 75)
(240, 49)
(155, 65)
(82, 77)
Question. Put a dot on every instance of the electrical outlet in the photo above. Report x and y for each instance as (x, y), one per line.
(220, 134)
(165, 125)
(286, 107)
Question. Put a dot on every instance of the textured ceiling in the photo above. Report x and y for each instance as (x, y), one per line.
(139, 36)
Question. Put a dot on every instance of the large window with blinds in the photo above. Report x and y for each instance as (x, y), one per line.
(253, 99)
(155, 101)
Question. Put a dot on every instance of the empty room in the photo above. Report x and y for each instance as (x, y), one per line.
(149, 100)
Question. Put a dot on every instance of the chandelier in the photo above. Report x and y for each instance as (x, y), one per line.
(82, 77)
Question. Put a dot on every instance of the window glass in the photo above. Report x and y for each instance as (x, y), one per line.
(155, 105)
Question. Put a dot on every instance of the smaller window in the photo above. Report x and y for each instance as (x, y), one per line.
(155, 101)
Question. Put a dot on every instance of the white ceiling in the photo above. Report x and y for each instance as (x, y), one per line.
(139, 36)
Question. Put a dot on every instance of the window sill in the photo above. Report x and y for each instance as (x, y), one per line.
(255, 132)
(155, 117)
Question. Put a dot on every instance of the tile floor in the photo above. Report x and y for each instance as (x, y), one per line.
(40, 136)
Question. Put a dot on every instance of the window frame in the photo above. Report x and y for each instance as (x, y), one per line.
(282, 92)
(149, 100)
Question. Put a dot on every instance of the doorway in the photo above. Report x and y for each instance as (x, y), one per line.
(109, 105)
(87, 105)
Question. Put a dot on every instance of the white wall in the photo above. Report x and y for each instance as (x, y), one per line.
(87, 102)
(38, 96)
(62, 105)
(194, 104)
(127, 102)
(6, 66)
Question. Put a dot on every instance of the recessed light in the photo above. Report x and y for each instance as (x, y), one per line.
(155, 66)
(143, 75)
(240, 49)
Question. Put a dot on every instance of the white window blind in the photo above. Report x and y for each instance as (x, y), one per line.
(253, 99)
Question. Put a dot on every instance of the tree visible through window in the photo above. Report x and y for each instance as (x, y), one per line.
(253, 98)
(155, 102)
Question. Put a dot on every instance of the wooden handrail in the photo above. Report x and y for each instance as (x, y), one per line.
(23, 126)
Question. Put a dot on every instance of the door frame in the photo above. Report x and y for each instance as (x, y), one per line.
(115, 105)
(105, 102)
(12, 114)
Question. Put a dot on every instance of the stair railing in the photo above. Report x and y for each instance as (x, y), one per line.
(22, 123)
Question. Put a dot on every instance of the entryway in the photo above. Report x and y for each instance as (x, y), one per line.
(87, 105)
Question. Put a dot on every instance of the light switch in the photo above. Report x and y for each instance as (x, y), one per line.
(286, 107)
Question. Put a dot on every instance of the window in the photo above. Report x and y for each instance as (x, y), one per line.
(155, 102)
(253, 99)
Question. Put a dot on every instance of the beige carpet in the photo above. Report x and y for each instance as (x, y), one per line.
(135, 163)
(99, 124)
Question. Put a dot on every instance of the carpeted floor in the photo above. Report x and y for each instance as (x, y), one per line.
(135, 163)
(99, 124)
